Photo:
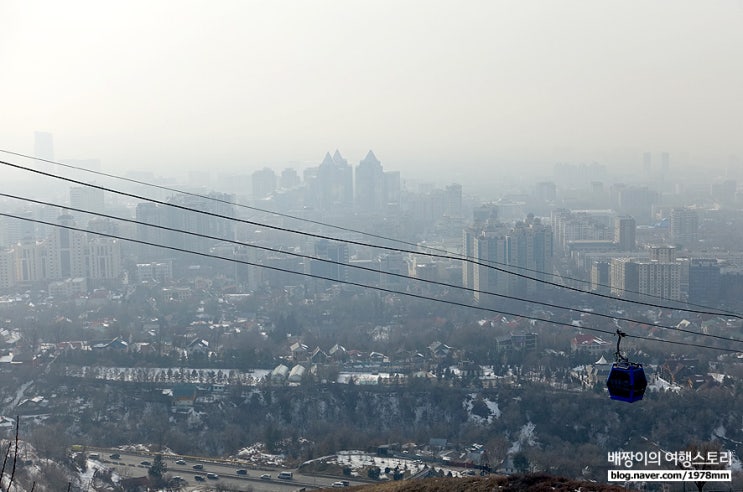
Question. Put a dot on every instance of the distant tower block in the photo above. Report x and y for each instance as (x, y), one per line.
(647, 162)
(665, 163)
(44, 149)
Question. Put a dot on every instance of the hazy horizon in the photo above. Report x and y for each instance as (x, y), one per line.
(441, 87)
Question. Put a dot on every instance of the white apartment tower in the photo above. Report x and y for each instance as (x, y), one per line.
(104, 258)
(631, 277)
(29, 261)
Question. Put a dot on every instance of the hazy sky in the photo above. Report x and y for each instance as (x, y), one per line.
(458, 85)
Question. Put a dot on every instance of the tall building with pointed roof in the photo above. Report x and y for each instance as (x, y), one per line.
(332, 188)
(370, 189)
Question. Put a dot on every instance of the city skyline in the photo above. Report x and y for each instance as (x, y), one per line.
(436, 88)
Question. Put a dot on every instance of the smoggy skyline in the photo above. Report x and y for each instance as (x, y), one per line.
(444, 86)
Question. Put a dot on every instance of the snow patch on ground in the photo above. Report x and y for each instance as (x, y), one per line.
(258, 455)
(492, 406)
(526, 437)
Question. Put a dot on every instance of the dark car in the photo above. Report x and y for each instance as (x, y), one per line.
(198, 478)
(198, 466)
(242, 471)
(212, 476)
(145, 463)
(114, 456)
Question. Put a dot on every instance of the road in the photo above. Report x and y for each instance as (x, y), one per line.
(129, 465)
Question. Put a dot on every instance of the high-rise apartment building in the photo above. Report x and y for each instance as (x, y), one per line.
(624, 276)
(7, 268)
(217, 221)
(647, 163)
(531, 252)
(704, 281)
(525, 249)
(289, 179)
(631, 278)
(625, 233)
(86, 198)
(662, 280)
(453, 195)
(263, 183)
(337, 253)
(154, 214)
(663, 254)
(491, 248)
(600, 276)
(546, 191)
(637, 202)
(65, 251)
(684, 227)
(569, 226)
(13, 230)
(104, 258)
(185, 215)
(30, 261)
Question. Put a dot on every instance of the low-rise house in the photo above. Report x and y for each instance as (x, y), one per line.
(199, 345)
(589, 343)
(318, 356)
(116, 344)
(279, 374)
(299, 351)
(338, 353)
(439, 350)
(296, 374)
(72, 345)
(183, 396)
(469, 369)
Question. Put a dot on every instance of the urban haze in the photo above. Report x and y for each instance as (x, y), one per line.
(298, 245)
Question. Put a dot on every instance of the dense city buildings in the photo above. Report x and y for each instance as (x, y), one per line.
(621, 250)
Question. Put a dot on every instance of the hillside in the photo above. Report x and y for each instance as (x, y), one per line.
(536, 482)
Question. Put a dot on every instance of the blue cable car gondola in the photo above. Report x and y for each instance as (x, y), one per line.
(626, 381)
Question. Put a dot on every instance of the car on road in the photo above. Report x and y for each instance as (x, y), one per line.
(198, 466)
(198, 478)
(286, 475)
(145, 463)
(265, 476)
(341, 483)
(242, 471)
(180, 462)
(114, 456)
(212, 476)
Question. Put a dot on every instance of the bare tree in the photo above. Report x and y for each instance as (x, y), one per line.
(15, 457)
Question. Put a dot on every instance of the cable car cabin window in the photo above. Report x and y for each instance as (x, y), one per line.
(626, 382)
